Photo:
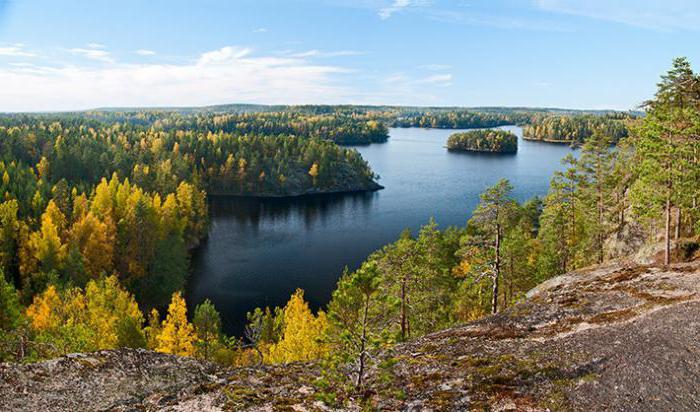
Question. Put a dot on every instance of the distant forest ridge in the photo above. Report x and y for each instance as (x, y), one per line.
(348, 124)
(328, 109)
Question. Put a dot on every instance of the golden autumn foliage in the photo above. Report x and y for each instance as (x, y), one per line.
(177, 335)
(106, 305)
(45, 245)
(96, 313)
(301, 334)
(313, 172)
(95, 241)
(43, 313)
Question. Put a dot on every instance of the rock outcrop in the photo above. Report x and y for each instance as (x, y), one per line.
(614, 337)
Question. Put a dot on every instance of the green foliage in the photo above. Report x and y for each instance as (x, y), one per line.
(130, 334)
(358, 322)
(455, 119)
(207, 325)
(10, 309)
(578, 128)
(493, 141)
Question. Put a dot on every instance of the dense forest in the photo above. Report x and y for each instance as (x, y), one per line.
(492, 141)
(339, 127)
(83, 151)
(369, 124)
(81, 251)
(85, 197)
(453, 120)
(576, 129)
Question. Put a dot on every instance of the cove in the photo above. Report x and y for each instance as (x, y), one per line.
(259, 251)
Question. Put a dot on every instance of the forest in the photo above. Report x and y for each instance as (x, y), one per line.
(578, 128)
(336, 126)
(490, 141)
(98, 217)
(83, 151)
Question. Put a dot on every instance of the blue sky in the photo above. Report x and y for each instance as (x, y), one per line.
(65, 55)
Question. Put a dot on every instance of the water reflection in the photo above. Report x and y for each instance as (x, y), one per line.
(312, 209)
(260, 250)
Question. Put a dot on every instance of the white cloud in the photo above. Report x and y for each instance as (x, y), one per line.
(223, 54)
(652, 14)
(145, 52)
(93, 53)
(398, 5)
(260, 30)
(229, 74)
(15, 51)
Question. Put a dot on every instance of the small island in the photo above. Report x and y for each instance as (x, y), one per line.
(483, 140)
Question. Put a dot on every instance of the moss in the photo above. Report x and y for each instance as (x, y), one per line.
(626, 274)
(240, 397)
(613, 316)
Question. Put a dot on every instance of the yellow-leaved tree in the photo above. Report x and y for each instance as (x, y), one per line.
(177, 335)
(43, 313)
(46, 245)
(313, 172)
(108, 308)
(301, 333)
(104, 316)
(95, 241)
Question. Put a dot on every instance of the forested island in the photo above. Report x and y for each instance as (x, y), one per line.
(488, 141)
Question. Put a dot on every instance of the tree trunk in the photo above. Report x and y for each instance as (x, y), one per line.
(363, 345)
(403, 309)
(600, 223)
(667, 231)
(678, 226)
(497, 271)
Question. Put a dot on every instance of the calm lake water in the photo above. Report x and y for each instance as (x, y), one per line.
(260, 250)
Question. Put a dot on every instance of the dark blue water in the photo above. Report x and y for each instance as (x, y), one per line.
(259, 251)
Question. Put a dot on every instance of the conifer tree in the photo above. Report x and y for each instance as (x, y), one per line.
(358, 320)
(10, 309)
(596, 166)
(493, 217)
(207, 324)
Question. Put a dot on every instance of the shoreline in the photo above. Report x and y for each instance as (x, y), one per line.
(530, 139)
(374, 188)
(492, 152)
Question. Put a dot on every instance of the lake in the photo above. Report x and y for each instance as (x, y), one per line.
(260, 250)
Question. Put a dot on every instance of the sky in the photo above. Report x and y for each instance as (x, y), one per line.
(579, 54)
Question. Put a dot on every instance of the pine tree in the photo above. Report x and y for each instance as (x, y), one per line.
(9, 232)
(493, 217)
(358, 319)
(207, 324)
(596, 167)
(10, 309)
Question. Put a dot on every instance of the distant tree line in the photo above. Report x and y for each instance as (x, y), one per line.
(576, 129)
